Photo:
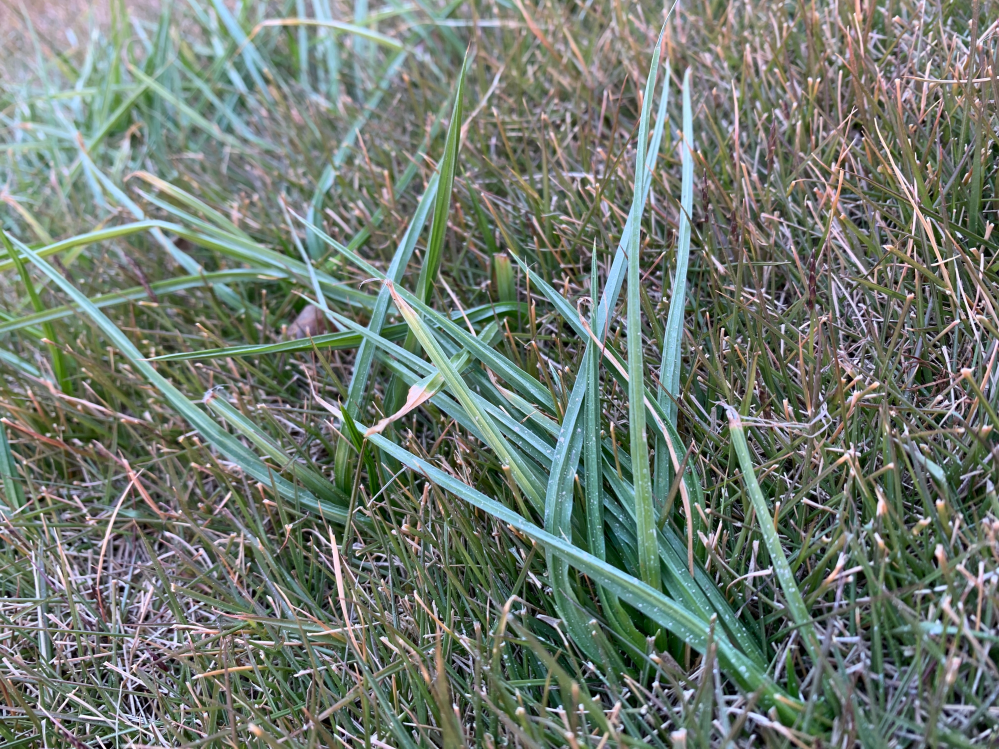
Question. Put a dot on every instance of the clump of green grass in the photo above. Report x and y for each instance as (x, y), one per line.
(498, 374)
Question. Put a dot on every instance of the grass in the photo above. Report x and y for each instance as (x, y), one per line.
(494, 374)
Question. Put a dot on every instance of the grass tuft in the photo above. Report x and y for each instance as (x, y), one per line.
(326, 413)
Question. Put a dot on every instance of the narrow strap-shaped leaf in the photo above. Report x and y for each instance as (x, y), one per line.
(593, 486)
(225, 443)
(170, 286)
(254, 62)
(362, 366)
(365, 354)
(328, 176)
(645, 513)
(438, 227)
(442, 206)
(792, 595)
(669, 371)
(558, 521)
(311, 480)
(185, 261)
(524, 478)
(422, 391)
(337, 341)
(691, 484)
(21, 365)
(195, 204)
(698, 591)
(13, 494)
(615, 276)
(98, 235)
(527, 385)
(59, 365)
(664, 611)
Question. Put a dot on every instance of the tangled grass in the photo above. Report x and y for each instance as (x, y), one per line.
(320, 417)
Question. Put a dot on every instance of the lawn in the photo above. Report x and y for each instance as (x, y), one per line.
(499, 373)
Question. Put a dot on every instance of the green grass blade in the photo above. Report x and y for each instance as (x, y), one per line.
(195, 204)
(225, 443)
(651, 602)
(251, 57)
(59, 366)
(615, 277)
(326, 44)
(196, 118)
(365, 355)
(336, 341)
(527, 385)
(185, 261)
(645, 513)
(362, 33)
(792, 595)
(593, 485)
(522, 475)
(669, 371)
(328, 176)
(438, 228)
(13, 493)
(21, 365)
(558, 522)
(442, 206)
(136, 293)
(314, 482)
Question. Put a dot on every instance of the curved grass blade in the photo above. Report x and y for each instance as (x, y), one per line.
(365, 354)
(792, 595)
(253, 253)
(649, 601)
(425, 389)
(171, 286)
(341, 341)
(185, 261)
(347, 28)
(21, 365)
(524, 478)
(525, 383)
(336, 341)
(195, 204)
(225, 443)
(314, 482)
(12, 491)
(99, 235)
(438, 226)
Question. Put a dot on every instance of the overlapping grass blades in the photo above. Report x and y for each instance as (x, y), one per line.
(232, 448)
(645, 511)
(12, 490)
(543, 466)
(540, 463)
(58, 361)
(669, 371)
(441, 201)
(846, 300)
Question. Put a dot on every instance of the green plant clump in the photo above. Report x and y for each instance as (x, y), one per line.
(500, 374)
